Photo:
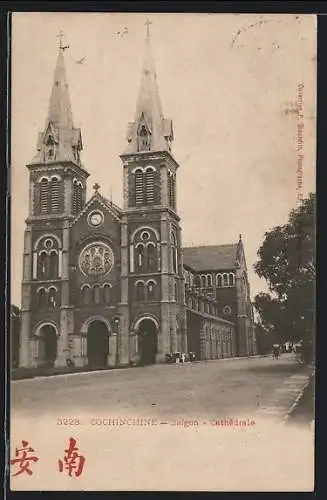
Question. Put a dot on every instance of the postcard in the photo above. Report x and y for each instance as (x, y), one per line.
(162, 252)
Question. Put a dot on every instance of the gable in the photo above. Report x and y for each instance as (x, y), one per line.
(99, 202)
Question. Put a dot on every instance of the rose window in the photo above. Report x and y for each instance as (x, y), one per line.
(96, 259)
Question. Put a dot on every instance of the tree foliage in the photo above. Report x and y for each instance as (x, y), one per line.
(287, 261)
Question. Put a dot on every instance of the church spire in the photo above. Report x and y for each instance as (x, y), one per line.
(150, 131)
(60, 112)
(59, 141)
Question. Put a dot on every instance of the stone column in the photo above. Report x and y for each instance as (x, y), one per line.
(66, 314)
(123, 333)
(164, 338)
(164, 185)
(68, 187)
(25, 358)
(112, 356)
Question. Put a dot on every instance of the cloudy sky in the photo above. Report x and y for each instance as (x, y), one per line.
(228, 81)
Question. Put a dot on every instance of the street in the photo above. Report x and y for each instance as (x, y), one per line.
(174, 427)
(227, 388)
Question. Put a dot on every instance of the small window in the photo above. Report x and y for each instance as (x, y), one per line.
(107, 294)
(42, 298)
(140, 295)
(96, 294)
(151, 290)
(52, 298)
(86, 295)
(139, 255)
(42, 265)
(53, 265)
(151, 257)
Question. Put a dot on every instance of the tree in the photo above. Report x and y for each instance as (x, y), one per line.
(265, 339)
(287, 261)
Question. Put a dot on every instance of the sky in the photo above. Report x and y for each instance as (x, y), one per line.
(229, 82)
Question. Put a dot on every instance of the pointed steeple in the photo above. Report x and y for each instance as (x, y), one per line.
(59, 141)
(150, 131)
(60, 112)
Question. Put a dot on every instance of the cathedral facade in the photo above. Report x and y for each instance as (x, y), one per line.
(110, 286)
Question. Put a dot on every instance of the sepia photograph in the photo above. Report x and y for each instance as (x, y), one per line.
(163, 242)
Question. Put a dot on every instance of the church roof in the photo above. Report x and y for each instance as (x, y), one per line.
(211, 258)
(59, 121)
(60, 111)
(149, 110)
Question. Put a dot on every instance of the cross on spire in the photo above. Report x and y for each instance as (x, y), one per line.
(61, 46)
(96, 188)
(147, 24)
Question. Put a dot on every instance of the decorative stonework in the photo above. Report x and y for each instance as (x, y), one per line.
(96, 259)
(95, 218)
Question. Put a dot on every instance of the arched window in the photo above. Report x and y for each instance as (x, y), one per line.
(225, 279)
(219, 280)
(209, 280)
(54, 190)
(140, 291)
(86, 295)
(149, 185)
(151, 290)
(203, 281)
(231, 279)
(44, 196)
(139, 187)
(139, 257)
(42, 300)
(52, 298)
(197, 281)
(96, 294)
(176, 291)
(42, 262)
(174, 252)
(79, 197)
(74, 197)
(151, 257)
(53, 264)
(143, 139)
(106, 294)
(171, 190)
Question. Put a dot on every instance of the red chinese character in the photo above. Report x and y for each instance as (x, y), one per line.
(23, 459)
(72, 460)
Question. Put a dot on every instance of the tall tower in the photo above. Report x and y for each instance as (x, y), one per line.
(57, 188)
(152, 269)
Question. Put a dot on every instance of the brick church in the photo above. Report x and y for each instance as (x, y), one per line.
(107, 286)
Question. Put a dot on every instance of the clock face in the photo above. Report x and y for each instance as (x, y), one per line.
(96, 259)
(96, 218)
(227, 310)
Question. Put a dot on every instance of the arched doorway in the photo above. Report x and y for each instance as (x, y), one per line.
(97, 344)
(147, 341)
(47, 345)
